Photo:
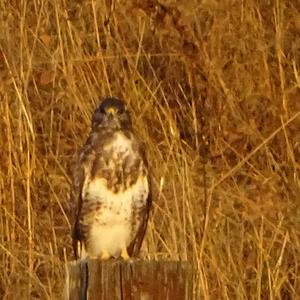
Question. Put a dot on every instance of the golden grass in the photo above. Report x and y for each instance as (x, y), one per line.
(213, 87)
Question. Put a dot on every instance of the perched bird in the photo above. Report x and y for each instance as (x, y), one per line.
(110, 187)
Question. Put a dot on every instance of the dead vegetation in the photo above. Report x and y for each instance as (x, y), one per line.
(212, 83)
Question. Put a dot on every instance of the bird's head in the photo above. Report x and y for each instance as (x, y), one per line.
(112, 113)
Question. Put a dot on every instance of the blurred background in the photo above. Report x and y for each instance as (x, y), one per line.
(214, 91)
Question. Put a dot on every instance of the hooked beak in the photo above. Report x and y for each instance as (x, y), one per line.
(112, 116)
(111, 112)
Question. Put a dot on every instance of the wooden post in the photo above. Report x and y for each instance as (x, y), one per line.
(133, 280)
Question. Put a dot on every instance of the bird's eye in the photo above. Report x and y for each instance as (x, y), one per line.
(102, 110)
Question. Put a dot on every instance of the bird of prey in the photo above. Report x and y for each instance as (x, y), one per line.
(110, 188)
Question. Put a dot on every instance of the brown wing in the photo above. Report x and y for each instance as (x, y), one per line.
(76, 204)
(84, 163)
(135, 246)
(76, 194)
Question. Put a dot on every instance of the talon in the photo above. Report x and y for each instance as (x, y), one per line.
(124, 254)
(104, 255)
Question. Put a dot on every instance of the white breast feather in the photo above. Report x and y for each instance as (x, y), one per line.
(111, 229)
(120, 143)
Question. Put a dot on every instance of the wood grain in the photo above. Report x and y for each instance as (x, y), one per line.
(133, 280)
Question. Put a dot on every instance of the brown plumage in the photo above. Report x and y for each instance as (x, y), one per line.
(110, 188)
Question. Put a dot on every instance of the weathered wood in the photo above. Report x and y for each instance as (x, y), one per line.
(133, 280)
(76, 280)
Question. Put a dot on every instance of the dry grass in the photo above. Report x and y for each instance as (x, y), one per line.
(214, 87)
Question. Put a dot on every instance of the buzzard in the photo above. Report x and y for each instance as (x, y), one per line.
(110, 187)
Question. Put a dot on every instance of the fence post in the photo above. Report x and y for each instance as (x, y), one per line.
(133, 280)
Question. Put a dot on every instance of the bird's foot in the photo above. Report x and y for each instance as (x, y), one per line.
(124, 254)
(104, 255)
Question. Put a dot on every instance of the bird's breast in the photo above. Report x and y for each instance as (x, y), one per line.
(118, 162)
(115, 183)
(108, 216)
(97, 193)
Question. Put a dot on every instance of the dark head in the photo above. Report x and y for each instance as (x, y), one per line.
(112, 113)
